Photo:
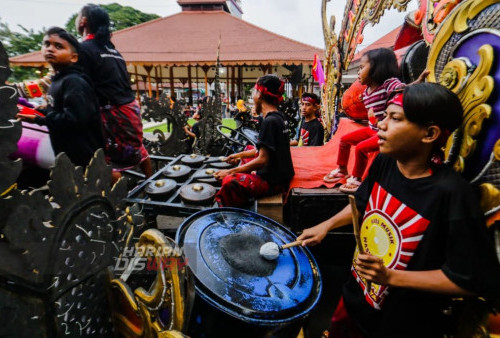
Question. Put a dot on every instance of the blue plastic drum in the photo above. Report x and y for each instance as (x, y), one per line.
(232, 302)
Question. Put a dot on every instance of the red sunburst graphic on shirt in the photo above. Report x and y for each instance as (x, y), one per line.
(392, 231)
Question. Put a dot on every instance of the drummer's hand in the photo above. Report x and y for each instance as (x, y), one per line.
(221, 174)
(372, 269)
(314, 235)
(26, 117)
(233, 159)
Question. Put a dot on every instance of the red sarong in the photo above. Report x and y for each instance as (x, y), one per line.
(123, 135)
(239, 189)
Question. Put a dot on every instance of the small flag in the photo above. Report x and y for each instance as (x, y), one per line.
(317, 71)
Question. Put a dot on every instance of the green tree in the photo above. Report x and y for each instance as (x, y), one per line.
(120, 16)
(17, 43)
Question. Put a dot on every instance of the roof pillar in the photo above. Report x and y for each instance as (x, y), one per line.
(205, 70)
(190, 90)
(172, 90)
(148, 70)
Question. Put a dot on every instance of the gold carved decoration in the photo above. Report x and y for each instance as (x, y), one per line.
(490, 196)
(472, 89)
(456, 22)
(473, 93)
(340, 51)
(376, 8)
(496, 150)
(455, 75)
(332, 71)
(137, 313)
(431, 13)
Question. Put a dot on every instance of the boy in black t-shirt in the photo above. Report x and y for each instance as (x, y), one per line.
(273, 164)
(423, 232)
(72, 114)
(311, 131)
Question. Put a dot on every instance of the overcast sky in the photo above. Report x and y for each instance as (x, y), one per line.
(296, 19)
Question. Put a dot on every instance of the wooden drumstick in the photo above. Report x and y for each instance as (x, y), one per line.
(271, 250)
(291, 245)
(356, 228)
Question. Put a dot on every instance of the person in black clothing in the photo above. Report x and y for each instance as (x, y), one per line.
(311, 130)
(423, 234)
(273, 161)
(72, 114)
(120, 112)
(193, 132)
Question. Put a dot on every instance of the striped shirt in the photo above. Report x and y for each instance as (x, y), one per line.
(377, 99)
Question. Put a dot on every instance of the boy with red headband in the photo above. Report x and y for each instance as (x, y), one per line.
(423, 234)
(311, 129)
(271, 171)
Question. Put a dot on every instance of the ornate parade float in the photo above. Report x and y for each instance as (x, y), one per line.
(80, 257)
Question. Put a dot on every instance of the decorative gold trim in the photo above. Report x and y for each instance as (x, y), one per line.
(490, 196)
(454, 75)
(456, 22)
(473, 93)
(165, 292)
(376, 8)
(332, 64)
(496, 150)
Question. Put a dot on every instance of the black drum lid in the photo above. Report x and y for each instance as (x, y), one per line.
(288, 293)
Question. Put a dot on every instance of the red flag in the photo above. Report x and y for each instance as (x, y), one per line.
(317, 71)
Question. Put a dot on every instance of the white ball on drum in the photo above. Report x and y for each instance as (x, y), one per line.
(270, 251)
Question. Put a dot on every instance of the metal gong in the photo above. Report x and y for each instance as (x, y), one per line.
(193, 160)
(202, 175)
(286, 293)
(197, 193)
(160, 189)
(176, 171)
(221, 165)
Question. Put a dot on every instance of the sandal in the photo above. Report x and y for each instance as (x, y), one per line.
(351, 186)
(334, 176)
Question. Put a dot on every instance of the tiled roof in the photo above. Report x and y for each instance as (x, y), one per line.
(191, 37)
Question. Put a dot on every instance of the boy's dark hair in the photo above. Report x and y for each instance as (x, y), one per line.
(432, 104)
(274, 88)
(73, 42)
(98, 23)
(383, 65)
(312, 96)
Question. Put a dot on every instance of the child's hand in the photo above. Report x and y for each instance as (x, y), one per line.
(372, 269)
(233, 159)
(371, 117)
(422, 76)
(314, 235)
(26, 117)
(221, 174)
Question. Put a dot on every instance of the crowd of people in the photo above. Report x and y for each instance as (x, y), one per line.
(439, 244)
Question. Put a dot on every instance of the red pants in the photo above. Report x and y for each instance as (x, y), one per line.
(366, 141)
(239, 189)
(342, 325)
